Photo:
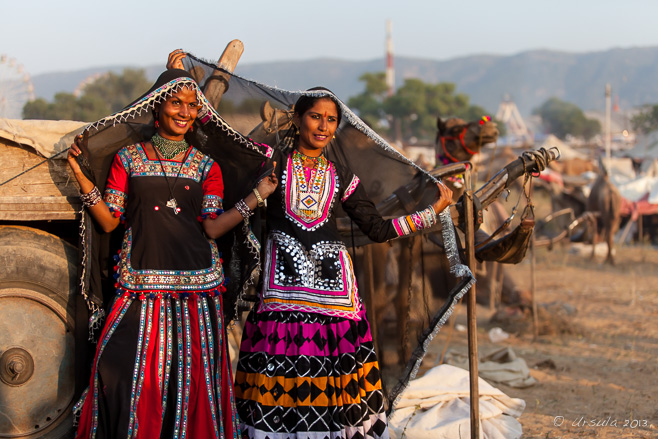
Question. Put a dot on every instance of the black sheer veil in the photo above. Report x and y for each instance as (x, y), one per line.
(240, 135)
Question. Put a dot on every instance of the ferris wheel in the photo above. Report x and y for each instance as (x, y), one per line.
(79, 90)
(16, 88)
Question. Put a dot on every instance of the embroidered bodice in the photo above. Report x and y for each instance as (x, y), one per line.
(307, 266)
(163, 249)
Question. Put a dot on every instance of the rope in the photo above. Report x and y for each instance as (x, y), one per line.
(540, 157)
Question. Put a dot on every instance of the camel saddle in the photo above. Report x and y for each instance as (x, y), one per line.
(511, 248)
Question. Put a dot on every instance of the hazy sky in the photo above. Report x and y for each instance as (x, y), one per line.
(48, 36)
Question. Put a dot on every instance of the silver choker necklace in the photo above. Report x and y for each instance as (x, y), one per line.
(169, 148)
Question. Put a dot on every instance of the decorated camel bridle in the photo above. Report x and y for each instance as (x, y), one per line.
(461, 137)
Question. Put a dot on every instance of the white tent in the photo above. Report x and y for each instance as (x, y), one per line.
(645, 148)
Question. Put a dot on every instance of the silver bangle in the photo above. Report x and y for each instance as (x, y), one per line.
(244, 210)
(91, 198)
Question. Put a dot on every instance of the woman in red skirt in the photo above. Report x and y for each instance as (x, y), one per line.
(161, 368)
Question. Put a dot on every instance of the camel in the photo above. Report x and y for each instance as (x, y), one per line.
(605, 200)
(458, 141)
(600, 209)
(408, 264)
(574, 166)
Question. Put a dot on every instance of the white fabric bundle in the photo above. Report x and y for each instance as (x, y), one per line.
(437, 406)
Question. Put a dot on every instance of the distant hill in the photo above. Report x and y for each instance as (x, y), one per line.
(46, 85)
(528, 78)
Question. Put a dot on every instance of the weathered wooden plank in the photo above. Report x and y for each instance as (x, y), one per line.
(38, 189)
(43, 200)
(229, 59)
(27, 208)
(51, 178)
(45, 192)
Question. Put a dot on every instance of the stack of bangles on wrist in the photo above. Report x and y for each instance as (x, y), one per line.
(244, 210)
(92, 198)
(428, 217)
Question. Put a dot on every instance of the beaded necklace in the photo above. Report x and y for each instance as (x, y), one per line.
(309, 191)
(172, 203)
(305, 159)
(167, 148)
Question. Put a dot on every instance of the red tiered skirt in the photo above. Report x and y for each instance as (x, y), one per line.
(161, 370)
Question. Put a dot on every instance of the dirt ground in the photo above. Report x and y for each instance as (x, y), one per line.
(595, 356)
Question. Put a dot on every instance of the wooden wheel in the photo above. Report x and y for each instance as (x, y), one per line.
(37, 346)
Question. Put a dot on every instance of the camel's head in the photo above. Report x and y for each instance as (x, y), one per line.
(459, 140)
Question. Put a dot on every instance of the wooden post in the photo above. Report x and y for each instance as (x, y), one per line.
(402, 303)
(533, 292)
(533, 273)
(471, 309)
(217, 84)
(624, 233)
(496, 269)
(369, 298)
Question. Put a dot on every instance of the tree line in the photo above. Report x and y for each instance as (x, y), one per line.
(101, 97)
(408, 115)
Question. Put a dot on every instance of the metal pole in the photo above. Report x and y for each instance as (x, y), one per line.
(607, 126)
(390, 72)
(471, 309)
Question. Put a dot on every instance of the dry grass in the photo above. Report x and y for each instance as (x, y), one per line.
(595, 357)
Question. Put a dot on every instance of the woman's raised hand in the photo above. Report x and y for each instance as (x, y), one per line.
(268, 184)
(175, 60)
(74, 151)
(444, 200)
